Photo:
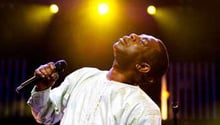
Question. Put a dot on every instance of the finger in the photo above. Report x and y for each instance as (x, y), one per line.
(44, 71)
(48, 70)
(52, 65)
(54, 76)
(37, 72)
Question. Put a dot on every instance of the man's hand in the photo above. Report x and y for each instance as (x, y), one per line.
(47, 72)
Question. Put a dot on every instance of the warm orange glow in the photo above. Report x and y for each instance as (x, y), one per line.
(164, 98)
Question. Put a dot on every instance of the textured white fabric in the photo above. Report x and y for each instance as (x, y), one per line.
(86, 97)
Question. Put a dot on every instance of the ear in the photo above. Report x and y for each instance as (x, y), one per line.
(143, 67)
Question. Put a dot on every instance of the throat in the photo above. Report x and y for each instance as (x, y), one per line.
(116, 75)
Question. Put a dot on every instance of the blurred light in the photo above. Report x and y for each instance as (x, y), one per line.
(164, 98)
(151, 10)
(101, 13)
(54, 8)
(37, 18)
(103, 8)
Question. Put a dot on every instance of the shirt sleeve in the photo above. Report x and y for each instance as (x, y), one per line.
(47, 106)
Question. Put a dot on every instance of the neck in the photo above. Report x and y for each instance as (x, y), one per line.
(115, 75)
(119, 76)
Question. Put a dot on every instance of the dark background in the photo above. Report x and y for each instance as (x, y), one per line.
(189, 28)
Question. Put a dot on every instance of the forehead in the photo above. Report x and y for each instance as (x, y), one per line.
(150, 41)
(148, 37)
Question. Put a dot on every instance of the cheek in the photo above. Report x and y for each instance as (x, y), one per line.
(134, 51)
(127, 52)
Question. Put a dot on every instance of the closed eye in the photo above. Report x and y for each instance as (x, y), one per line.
(144, 42)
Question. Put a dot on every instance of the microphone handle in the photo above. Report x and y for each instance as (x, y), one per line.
(59, 67)
(33, 79)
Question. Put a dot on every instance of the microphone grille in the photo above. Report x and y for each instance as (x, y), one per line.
(60, 65)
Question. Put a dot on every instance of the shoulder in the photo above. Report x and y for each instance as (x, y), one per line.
(134, 97)
(133, 104)
(126, 91)
(84, 71)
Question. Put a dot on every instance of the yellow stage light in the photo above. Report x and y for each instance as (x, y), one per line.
(151, 10)
(103, 8)
(101, 13)
(164, 98)
(54, 8)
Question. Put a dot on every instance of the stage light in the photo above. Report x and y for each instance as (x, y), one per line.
(103, 8)
(37, 18)
(151, 10)
(164, 98)
(101, 13)
(54, 8)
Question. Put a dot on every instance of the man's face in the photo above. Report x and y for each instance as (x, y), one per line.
(129, 49)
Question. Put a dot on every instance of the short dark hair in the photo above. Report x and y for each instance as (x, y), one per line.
(156, 55)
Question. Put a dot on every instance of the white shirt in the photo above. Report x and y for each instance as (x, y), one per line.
(87, 97)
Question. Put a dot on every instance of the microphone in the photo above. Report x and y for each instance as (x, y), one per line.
(59, 67)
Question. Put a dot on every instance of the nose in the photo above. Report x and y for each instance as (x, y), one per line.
(134, 37)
